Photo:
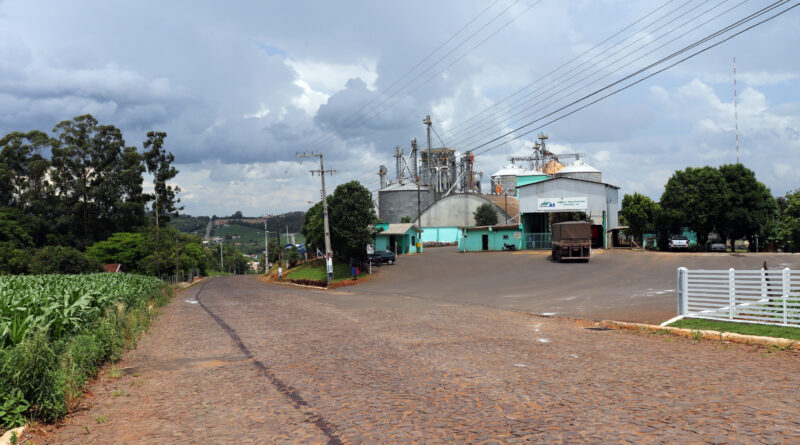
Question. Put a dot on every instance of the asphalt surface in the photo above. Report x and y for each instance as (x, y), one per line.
(238, 360)
(619, 284)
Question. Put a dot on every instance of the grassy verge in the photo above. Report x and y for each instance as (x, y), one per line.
(43, 375)
(738, 328)
(315, 271)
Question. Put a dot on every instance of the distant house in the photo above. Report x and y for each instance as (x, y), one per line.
(113, 268)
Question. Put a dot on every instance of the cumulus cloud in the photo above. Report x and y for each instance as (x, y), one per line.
(240, 89)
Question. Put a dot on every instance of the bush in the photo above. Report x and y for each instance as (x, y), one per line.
(64, 260)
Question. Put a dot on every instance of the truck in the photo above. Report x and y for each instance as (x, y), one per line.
(572, 241)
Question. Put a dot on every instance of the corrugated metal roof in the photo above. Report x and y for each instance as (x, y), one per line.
(496, 227)
(578, 167)
(399, 229)
(509, 170)
(566, 178)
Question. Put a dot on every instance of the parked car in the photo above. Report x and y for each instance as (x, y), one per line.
(383, 257)
(678, 242)
(717, 246)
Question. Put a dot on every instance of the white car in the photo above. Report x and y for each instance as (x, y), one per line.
(678, 242)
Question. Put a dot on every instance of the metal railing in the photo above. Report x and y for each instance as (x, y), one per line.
(539, 241)
(752, 296)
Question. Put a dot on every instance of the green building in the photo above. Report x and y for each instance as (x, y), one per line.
(484, 238)
(401, 238)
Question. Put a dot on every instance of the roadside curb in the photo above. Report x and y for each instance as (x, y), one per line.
(706, 334)
(5, 439)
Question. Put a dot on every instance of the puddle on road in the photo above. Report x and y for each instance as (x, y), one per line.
(187, 363)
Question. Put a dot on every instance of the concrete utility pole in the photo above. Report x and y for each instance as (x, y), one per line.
(221, 262)
(322, 172)
(416, 177)
(427, 121)
(266, 247)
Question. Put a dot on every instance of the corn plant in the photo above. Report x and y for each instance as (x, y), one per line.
(63, 304)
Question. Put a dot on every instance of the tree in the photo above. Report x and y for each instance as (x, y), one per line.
(405, 219)
(352, 220)
(128, 249)
(789, 227)
(61, 259)
(485, 215)
(639, 213)
(695, 198)
(91, 176)
(293, 256)
(750, 206)
(22, 168)
(14, 228)
(159, 164)
(312, 229)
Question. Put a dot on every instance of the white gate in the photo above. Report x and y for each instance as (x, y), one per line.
(753, 296)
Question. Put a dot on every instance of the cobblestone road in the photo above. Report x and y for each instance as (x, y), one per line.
(240, 361)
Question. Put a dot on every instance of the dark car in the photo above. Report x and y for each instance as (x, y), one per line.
(383, 257)
(717, 246)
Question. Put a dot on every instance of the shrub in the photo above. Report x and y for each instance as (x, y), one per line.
(64, 260)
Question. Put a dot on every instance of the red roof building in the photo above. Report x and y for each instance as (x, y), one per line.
(113, 268)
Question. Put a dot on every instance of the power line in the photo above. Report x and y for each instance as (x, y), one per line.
(474, 133)
(350, 118)
(496, 104)
(675, 54)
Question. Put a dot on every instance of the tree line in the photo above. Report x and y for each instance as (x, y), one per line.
(727, 202)
(62, 195)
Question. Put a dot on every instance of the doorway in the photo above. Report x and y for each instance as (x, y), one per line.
(485, 241)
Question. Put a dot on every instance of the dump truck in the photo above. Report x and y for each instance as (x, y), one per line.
(572, 241)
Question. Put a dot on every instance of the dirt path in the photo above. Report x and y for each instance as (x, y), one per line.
(240, 361)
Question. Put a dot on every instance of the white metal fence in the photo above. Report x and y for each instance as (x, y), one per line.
(753, 296)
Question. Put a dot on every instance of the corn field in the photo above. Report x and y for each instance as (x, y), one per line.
(62, 304)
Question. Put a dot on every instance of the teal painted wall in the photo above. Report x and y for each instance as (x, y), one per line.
(441, 234)
(474, 239)
(525, 180)
(404, 242)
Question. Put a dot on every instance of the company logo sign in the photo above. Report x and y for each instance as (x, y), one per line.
(562, 204)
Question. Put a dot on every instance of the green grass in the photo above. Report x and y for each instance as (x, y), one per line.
(316, 271)
(252, 239)
(739, 328)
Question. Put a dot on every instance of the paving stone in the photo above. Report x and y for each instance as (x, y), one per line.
(291, 365)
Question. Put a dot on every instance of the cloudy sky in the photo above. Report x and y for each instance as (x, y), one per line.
(241, 87)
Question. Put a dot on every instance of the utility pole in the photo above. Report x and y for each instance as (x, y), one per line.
(427, 122)
(221, 262)
(158, 248)
(278, 235)
(416, 177)
(266, 248)
(176, 257)
(322, 172)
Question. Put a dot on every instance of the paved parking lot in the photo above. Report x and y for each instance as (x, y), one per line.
(616, 284)
(237, 360)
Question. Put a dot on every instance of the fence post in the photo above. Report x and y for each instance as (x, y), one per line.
(731, 292)
(682, 291)
(786, 278)
(763, 284)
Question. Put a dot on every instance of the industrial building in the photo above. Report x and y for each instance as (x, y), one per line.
(439, 190)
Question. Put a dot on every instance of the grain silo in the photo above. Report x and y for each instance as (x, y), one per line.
(581, 170)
